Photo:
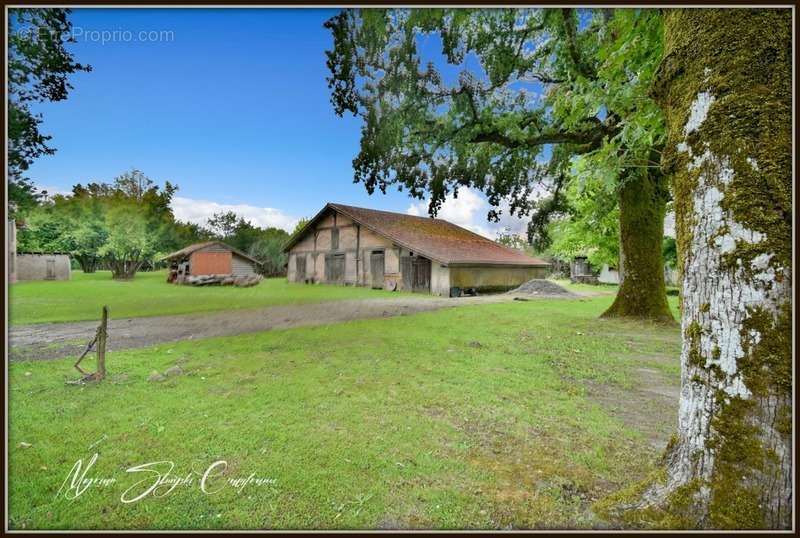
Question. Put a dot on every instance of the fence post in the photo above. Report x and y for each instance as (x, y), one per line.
(102, 335)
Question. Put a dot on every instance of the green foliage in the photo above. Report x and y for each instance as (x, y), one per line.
(130, 241)
(38, 69)
(122, 225)
(300, 225)
(43, 231)
(509, 239)
(269, 251)
(575, 81)
(669, 250)
(263, 244)
(591, 228)
(223, 225)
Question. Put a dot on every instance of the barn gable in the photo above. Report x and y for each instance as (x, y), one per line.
(213, 257)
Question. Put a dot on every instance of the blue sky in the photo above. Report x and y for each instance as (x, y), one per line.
(230, 104)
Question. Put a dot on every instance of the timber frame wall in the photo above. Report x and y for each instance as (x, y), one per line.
(356, 243)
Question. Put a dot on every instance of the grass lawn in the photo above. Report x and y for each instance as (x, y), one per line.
(483, 416)
(82, 297)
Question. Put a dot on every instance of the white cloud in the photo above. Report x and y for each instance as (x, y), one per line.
(198, 211)
(469, 211)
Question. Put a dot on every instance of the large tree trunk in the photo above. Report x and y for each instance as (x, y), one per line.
(642, 292)
(124, 269)
(726, 88)
(88, 263)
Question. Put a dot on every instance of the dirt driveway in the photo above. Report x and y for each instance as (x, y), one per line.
(54, 340)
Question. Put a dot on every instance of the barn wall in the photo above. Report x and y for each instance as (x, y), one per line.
(34, 266)
(440, 279)
(290, 267)
(370, 242)
(493, 278)
(355, 242)
(242, 266)
(318, 266)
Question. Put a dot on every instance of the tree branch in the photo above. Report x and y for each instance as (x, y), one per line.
(590, 139)
(572, 46)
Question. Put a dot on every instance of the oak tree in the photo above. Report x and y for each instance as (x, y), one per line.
(726, 88)
(504, 101)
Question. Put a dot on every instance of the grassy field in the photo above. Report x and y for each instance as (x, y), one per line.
(488, 416)
(149, 295)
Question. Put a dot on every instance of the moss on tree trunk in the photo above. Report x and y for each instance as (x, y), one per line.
(725, 87)
(642, 293)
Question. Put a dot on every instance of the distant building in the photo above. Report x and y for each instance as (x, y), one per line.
(608, 275)
(365, 247)
(42, 266)
(210, 258)
(581, 271)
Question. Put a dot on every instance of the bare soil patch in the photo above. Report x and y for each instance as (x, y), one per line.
(650, 406)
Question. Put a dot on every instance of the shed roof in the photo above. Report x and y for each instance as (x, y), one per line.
(186, 251)
(436, 239)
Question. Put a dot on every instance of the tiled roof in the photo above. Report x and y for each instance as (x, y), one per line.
(186, 251)
(436, 239)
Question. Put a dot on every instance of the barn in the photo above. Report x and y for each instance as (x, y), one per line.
(41, 266)
(365, 247)
(210, 258)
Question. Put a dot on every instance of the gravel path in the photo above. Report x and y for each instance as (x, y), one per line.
(54, 340)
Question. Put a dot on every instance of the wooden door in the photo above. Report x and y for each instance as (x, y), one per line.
(407, 272)
(300, 268)
(422, 275)
(51, 269)
(334, 268)
(376, 267)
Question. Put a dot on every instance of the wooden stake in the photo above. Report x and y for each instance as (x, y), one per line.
(102, 336)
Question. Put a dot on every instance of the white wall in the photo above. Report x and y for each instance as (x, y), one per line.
(608, 275)
(440, 279)
(34, 266)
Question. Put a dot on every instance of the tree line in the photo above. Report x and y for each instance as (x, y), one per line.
(128, 224)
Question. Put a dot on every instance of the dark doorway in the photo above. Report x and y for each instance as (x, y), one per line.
(334, 268)
(376, 267)
(51, 270)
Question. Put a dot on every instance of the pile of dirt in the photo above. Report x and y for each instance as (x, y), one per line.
(540, 286)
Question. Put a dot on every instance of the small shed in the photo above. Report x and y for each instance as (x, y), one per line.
(42, 266)
(210, 258)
